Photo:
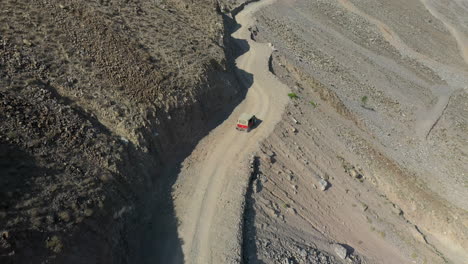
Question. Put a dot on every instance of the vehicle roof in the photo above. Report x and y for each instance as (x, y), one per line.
(245, 116)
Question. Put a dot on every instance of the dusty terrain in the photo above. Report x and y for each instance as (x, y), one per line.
(105, 109)
(381, 114)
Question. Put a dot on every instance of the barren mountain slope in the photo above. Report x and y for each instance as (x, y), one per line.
(97, 98)
(381, 87)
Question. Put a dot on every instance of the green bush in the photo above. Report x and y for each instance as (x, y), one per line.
(364, 100)
(293, 96)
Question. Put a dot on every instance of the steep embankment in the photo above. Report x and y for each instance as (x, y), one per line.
(96, 99)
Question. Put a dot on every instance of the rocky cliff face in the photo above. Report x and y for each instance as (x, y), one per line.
(96, 99)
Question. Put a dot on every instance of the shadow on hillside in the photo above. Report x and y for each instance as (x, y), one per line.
(249, 248)
(161, 242)
(18, 169)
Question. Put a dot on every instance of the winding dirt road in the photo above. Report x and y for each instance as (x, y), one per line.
(209, 192)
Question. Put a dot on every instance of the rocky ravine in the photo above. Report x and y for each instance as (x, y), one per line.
(97, 99)
(210, 188)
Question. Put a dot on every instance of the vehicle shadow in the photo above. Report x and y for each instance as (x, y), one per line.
(258, 122)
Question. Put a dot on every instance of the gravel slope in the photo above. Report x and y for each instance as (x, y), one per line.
(381, 87)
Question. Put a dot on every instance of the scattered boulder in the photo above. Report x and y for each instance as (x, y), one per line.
(353, 173)
(124, 140)
(270, 153)
(27, 42)
(291, 210)
(341, 251)
(5, 234)
(303, 253)
(323, 184)
(364, 207)
(252, 162)
(396, 210)
(253, 32)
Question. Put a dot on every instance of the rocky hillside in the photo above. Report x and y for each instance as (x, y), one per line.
(96, 99)
(373, 88)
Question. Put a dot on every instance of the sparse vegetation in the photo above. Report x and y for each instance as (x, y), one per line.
(50, 220)
(293, 96)
(364, 103)
(312, 103)
(364, 100)
(36, 222)
(64, 215)
(11, 134)
(54, 244)
(88, 212)
(382, 234)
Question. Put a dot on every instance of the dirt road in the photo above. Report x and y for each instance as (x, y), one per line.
(209, 192)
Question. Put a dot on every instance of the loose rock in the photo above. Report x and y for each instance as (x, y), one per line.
(341, 251)
(323, 184)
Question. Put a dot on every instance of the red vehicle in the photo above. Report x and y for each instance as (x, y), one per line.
(246, 122)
